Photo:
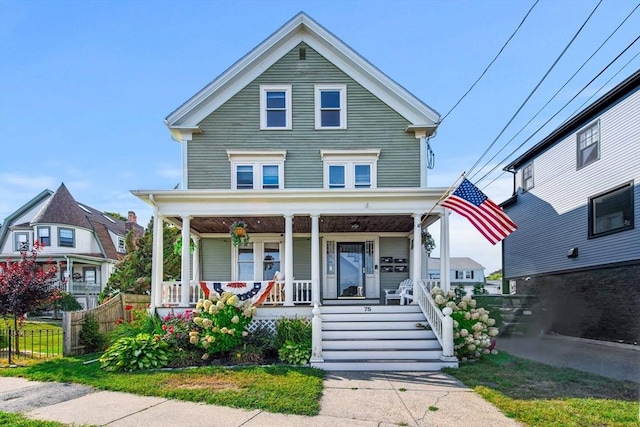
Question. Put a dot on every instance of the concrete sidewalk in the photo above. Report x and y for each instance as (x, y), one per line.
(611, 360)
(349, 399)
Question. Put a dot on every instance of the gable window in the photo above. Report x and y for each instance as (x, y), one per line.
(331, 106)
(256, 170)
(66, 237)
(275, 107)
(21, 242)
(612, 211)
(527, 177)
(589, 145)
(121, 245)
(350, 168)
(44, 236)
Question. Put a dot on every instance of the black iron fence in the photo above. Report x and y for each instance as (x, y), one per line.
(30, 344)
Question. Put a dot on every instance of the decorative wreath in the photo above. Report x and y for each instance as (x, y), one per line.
(239, 233)
(428, 242)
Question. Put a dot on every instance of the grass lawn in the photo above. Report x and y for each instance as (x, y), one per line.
(19, 420)
(37, 339)
(541, 395)
(280, 389)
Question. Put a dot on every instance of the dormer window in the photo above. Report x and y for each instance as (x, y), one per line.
(121, 245)
(331, 106)
(275, 107)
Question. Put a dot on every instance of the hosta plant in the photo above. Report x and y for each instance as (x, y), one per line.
(295, 353)
(144, 351)
(473, 329)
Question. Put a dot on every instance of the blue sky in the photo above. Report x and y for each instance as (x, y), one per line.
(85, 85)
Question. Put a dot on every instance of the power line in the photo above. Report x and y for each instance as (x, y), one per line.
(535, 88)
(557, 92)
(491, 63)
(565, 105)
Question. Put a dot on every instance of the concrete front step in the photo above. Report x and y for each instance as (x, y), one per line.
(390, 365)
(413, 334)
(375, 324)
(381, 344)
(368, 317)
(375, 355)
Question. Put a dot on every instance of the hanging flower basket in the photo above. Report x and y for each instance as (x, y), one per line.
(428, 242)
(239, 233)
(177, 246)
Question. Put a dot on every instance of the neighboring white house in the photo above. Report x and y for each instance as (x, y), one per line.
(322, 157)
(466, 272)
(84, 243)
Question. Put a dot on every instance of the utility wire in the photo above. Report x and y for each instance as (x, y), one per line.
(556, 94)
(491, 63)
(569, 102)
(534, 89)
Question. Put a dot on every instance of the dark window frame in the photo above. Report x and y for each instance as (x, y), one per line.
(579, 164)
(40, 238)
(591, 233)
(525, 179)
(18, 247)
(73, 238)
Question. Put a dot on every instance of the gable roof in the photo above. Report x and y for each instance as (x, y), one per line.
(628, 86)
(301, 28)
(4, 229)
(62, 208)
(456, 263)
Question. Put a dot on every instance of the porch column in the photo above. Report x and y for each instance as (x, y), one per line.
(445, 263)
(196, 259)
(157, 261)
(186, 261)
(288, 259)
(315, 259)
(416, 254)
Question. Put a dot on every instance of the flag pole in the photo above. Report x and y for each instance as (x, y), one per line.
(445, 194)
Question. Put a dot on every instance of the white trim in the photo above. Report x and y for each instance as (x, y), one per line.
(257, 159)
(349, 159)
(342, 89)
(264, 89)
(301, 28)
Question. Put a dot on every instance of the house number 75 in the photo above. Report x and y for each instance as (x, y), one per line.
(367, 309)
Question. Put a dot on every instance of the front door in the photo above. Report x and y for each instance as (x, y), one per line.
(351, 270)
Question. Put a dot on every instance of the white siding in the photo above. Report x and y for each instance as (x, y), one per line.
(552, 217)
(7, 245)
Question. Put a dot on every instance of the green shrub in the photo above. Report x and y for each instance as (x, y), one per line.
(144, 351)
(259, 346)
(295, 353)
(143, 323)
(90, 335)
(221, 323)
(293, 338)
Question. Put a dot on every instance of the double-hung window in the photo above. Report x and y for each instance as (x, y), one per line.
(66, 237)
(527, 177)
(588, 145)
(21, 242)
(612, 211)
(275, 107)
(257, 170)
(331, 106)
(44, 236)
(350, 168)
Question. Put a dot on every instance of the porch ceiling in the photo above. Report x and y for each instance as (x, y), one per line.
(302, 224)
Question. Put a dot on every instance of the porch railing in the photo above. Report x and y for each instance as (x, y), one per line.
(440, 320)
(172, 293)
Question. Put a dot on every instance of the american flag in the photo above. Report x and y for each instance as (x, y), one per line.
(485, 215)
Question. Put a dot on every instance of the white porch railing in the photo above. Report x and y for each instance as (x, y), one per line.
(440, 320)
(171, 292)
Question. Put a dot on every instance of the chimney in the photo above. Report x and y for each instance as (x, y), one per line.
(132, 217)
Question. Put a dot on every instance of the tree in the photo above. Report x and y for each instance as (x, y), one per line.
(496, 275)
(133, 273)
(116, 215)
(26, 286)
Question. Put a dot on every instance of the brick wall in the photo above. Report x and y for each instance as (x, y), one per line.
(601, 304)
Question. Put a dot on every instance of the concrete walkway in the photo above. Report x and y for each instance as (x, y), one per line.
(349, 399)
(611, 360)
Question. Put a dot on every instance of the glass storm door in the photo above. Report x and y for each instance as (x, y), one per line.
(351, 270)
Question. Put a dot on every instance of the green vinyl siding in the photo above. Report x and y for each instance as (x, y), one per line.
(371, 124)
(216, 259)
(395, 247)
(302, 258)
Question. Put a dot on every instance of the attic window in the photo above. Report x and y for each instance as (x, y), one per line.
(84, 209)
(303, 53)
(109, 218)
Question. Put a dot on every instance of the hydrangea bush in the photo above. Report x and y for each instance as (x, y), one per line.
(221, 322)
(473, 329)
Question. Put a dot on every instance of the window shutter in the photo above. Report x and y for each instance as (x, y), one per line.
(472, 274)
